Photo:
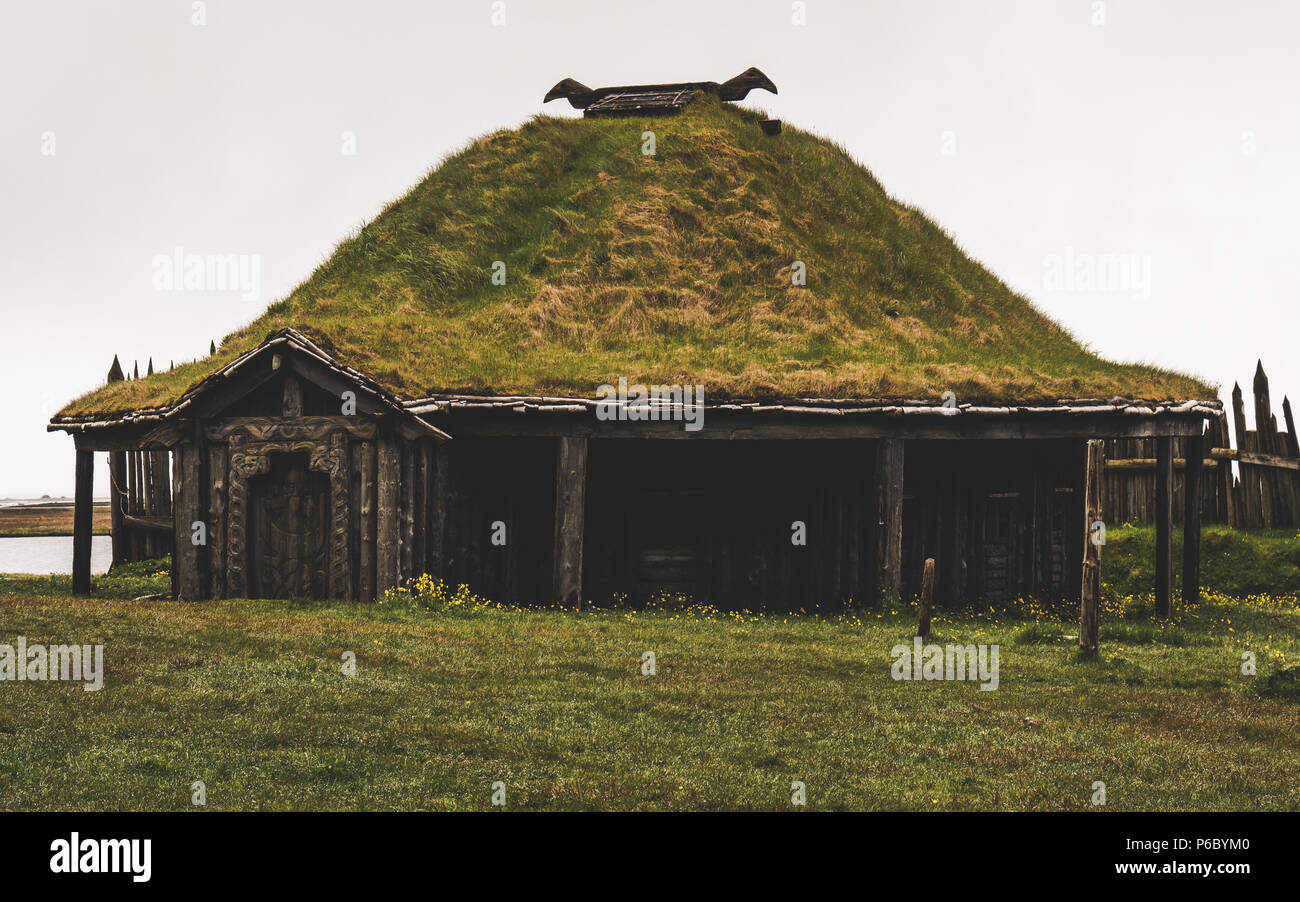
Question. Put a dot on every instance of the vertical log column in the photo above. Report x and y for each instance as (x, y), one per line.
(185, 511)
(368, 467)
(1192, 522)
(116, 496)
(437, 560)
(889, 519)
(1093, 477)
(406, 502)
(570, 504)
(1164, 525)
(388, 543)
(83, 521)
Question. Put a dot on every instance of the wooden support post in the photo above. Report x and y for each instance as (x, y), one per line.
(1093, 474)
(83, 522)
(388, 544)
(927, 599)
(406, 495)
(570, 505)
(217, 477)
(423, 479)
(1192, 524)
(889, 519)
(116, 503)
(368, 465)
(1164, 525)
(437, 560)
(185, 510)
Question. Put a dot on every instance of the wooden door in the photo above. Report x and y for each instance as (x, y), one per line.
(288, 530)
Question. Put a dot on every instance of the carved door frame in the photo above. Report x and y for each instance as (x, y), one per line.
(250, 456)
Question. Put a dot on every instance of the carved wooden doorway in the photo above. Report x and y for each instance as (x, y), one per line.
(289, 530)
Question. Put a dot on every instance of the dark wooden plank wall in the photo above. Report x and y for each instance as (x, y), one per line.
(715, 521)
(510, 480)
(1002, 520)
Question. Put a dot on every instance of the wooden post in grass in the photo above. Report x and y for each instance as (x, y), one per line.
(1192, 522)
(82, 522)
(1093, 476)
(1164, 525)
(927, 599)
(570, 505)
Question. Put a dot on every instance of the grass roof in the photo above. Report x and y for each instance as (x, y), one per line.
(672, 269)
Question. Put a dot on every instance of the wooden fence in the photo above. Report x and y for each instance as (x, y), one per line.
(140, 496)
(140, 504)
(1265, 492)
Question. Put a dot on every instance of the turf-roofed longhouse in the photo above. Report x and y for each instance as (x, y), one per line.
(668, 347)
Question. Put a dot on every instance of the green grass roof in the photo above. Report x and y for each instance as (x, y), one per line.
(671, 269)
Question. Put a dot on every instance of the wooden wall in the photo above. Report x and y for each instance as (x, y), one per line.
(1001, 519)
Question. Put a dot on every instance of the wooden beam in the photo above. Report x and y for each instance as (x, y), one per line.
(1255, 458)
(82, 522)
(1192, 526)
(1164, 517)
(1149, 463)
(1090, 590)
(730, 426)
(570, 508)
(889, 519)
(151, 524)
(307, 428)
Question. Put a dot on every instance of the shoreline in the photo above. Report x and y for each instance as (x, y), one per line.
(49, 519)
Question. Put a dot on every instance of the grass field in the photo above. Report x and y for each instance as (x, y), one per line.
(43, 520)
(451, 695)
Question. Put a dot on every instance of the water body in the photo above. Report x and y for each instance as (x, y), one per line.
(51, 554)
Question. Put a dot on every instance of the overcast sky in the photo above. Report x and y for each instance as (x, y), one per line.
(1164, 134)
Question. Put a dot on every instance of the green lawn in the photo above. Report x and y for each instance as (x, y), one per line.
(450, 696)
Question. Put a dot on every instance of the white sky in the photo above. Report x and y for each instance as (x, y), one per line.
(1122, 138)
